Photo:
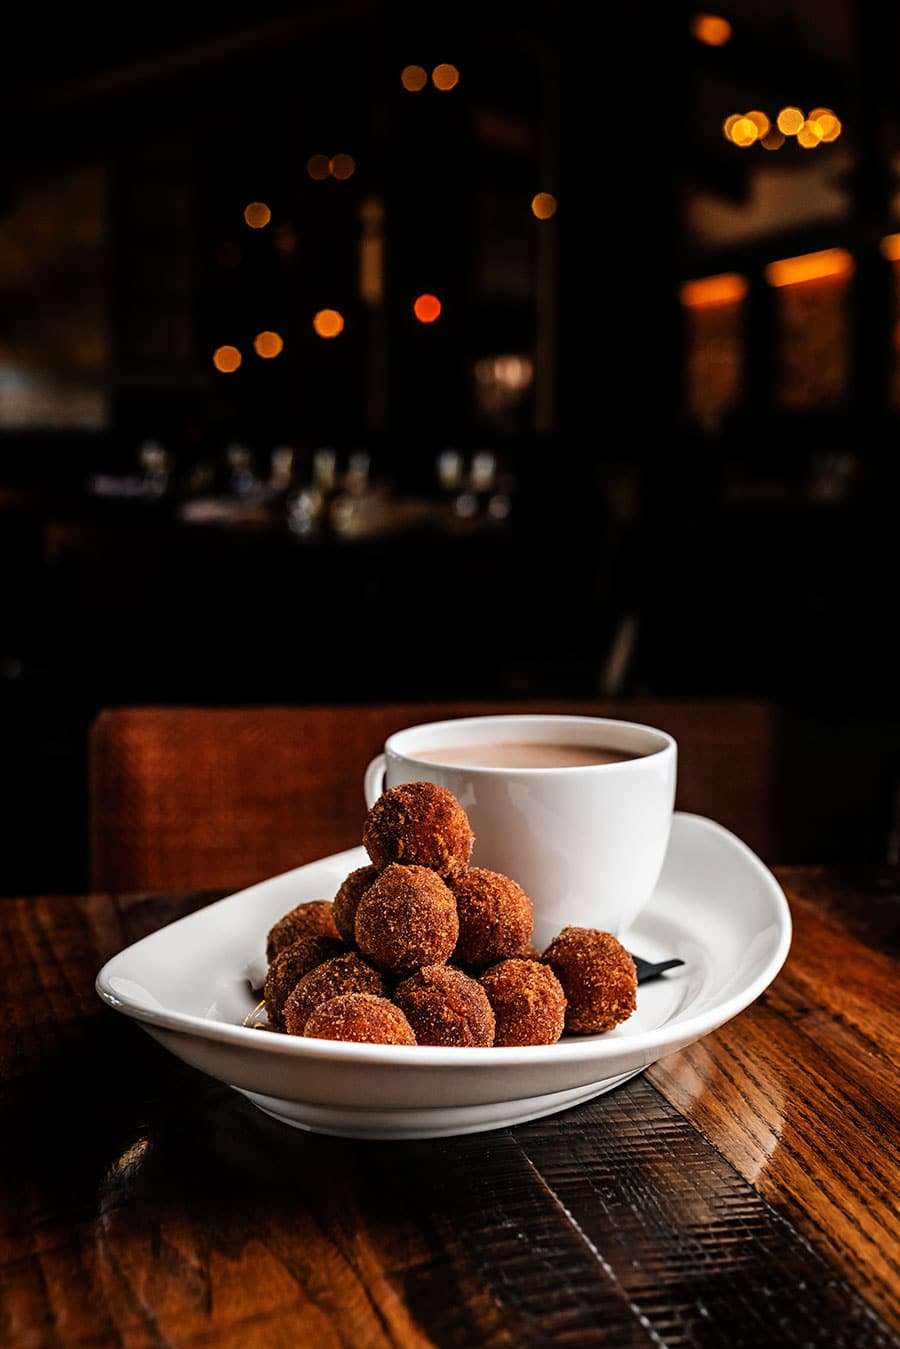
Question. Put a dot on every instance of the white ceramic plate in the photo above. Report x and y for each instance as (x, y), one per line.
(192, 984)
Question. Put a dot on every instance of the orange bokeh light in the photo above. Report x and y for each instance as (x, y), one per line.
(711, 29)
(543, 205)
(427, 308)
(772, 140)
(445, 77)
(342, 166)
(257, 215)
(809, 135)
(708, 291)
(413, 78)
(318, 167)
(760, 121)
(268, 344)
(828, 262)
(790, 120)
(227, 359)
(328, 322)
(744, 132)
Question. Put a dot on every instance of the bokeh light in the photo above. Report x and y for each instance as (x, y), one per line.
(772, 140)
(257, 215)
(830, 124)
(543, 205)
(809, 135)
(342, 166)
(827, 262)
(227, 359)
(711, 29)
(328, 322)
(501, 380)
(760, 121)
(790, 120)
(427, 308)
(268, 344)
(445, 77)
(318, 167)
(745, 129)
(413, 78)
(744, 132)
(707, 291)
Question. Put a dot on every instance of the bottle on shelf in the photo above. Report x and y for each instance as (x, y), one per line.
(156, 468)
(242, 479)
(281, 469)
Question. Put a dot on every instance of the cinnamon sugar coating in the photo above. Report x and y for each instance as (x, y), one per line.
(347, 973)
(289, 967)
(346, 901)
(446, 1007)
(420, 824)
(407, 918)
(598, 977)
(313, 918)
(528, 1002)
(363, 1017)
(496, 917)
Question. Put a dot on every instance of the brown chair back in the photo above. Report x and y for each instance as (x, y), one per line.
(197, 798)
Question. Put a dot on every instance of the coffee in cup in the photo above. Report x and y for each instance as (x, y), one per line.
(578, 810)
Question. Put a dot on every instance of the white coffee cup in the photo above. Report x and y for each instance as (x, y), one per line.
(586, 843)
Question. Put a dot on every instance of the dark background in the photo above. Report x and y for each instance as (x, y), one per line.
(687, 500)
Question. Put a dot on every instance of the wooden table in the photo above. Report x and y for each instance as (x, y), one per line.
(742, 1192)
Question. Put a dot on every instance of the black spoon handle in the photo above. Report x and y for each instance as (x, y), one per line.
(648, 969)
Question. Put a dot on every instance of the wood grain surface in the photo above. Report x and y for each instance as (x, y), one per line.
(741, 1192)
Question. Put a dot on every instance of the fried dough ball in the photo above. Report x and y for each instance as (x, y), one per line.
(407, 918)
(347, 973)
(346, 901)
(528, 1002)
(598, 977)
(496, 917)
(420, 824)
(314, 918)
(447, 1007)
(289, 967)
(364, 1017)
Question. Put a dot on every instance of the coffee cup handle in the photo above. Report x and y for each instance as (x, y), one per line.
(373, 781)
